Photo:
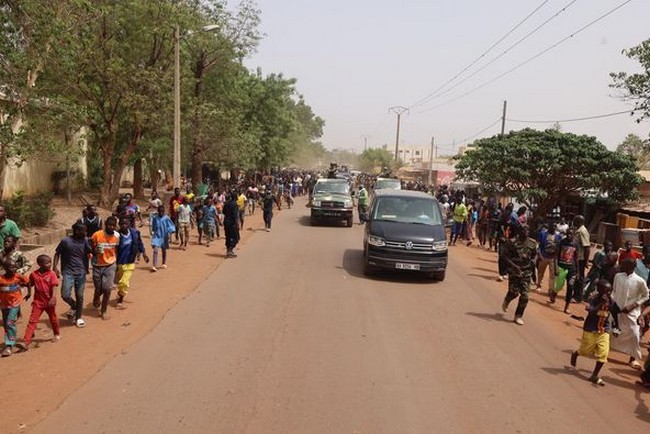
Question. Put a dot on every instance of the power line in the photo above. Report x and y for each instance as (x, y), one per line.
(472, 137)
(507, 50)
(587, 118)
(423, 100)
(530, 59)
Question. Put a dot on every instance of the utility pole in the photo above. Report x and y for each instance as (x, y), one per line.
(431, 160)
(365, 141)
(503, 118)
(399, 110)
(177, 108)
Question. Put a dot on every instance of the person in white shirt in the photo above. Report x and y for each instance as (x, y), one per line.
(185, 221)
(630, 292)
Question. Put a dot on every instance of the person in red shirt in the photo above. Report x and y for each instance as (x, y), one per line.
(11, 284)
(628, 252)
(44, 281)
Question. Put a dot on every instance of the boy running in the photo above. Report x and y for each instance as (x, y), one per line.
(128, 251)
(11, 284)
(595, 335)
(44, 280)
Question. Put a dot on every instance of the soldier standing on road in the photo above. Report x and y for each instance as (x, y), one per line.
(231, 224)
(519, 255)
(363, 202)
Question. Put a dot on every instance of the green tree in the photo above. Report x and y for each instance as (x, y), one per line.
(636, 147)
(539, 168)
(636, 87)
(373, 160)
(116, 65)
(215, 54)
(31, 121)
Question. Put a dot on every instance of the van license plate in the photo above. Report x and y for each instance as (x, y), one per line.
(401, 266)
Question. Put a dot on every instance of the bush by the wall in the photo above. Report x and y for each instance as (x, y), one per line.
(30, 211)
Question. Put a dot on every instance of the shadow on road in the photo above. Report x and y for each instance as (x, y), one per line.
(500, 317)
(483, 276)
(353, 265)
(306, 221)
(491, 261)
(641, 410)
(489, 270)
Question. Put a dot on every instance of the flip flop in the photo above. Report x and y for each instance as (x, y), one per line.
(597, 381)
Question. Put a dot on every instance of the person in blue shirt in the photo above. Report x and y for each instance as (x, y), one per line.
(548, 246)
(210, 216)
(129, 249)
(161, 228)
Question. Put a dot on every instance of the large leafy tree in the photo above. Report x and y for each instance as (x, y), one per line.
(213, 55)
(636, 87)
(376, 160)
(115, 64)
(636, 147)
(540, 168)
(33, 122)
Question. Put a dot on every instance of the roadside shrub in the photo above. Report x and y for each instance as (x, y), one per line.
(30, 211)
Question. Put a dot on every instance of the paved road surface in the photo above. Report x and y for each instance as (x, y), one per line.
(290, 337)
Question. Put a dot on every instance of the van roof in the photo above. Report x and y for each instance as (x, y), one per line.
(403, 193)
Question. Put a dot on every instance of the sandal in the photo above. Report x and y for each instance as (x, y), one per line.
(597, 381)
(636, 365)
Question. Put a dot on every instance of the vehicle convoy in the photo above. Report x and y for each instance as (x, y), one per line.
(405, 231)
(331, 201)
(382, 183)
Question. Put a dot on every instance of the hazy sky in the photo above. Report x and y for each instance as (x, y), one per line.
(354, 59)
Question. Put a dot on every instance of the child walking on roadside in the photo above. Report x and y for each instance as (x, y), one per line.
(44, 280)
(11, 284)
(104, 244)
(128, 251)
(73, 252)
(595, 335)
(11, 252)
(185, 222)
(210, 215)
(161, 228)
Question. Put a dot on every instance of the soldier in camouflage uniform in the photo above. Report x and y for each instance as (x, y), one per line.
(520, 255)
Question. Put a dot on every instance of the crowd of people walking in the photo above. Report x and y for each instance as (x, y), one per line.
(108, 249)
(606, 290)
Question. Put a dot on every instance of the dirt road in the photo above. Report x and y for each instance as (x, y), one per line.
(291, 337)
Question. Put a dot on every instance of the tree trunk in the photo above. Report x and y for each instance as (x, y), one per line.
(153, 173)
(105, 200)
(198, 149)
(138, 185)
(197, 168)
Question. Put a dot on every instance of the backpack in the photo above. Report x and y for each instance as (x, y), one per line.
(551, 247)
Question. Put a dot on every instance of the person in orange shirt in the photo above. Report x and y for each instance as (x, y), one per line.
(11, 295)
(104, 244)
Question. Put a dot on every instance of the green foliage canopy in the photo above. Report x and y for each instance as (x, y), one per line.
(539, 168)
(636, 87)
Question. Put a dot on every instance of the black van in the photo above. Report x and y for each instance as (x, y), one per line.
(405, 231)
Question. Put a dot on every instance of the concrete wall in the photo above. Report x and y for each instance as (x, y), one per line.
(35, 175)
